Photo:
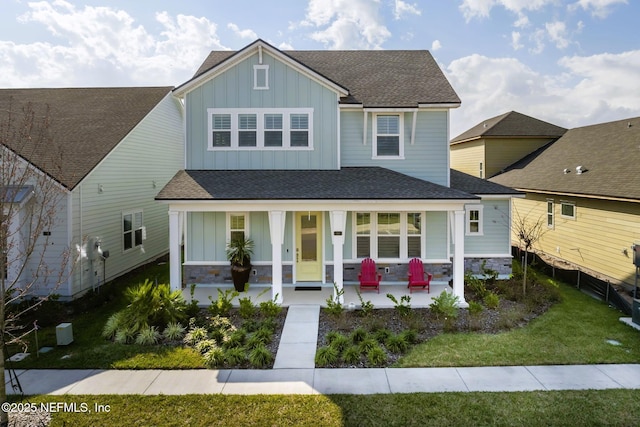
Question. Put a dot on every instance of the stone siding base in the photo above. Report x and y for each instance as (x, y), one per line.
(501, 265)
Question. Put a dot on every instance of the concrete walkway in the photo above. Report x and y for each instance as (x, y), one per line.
(294, 373)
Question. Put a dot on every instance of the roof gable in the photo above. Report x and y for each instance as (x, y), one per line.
(85, 124)
(609, 154)
(511, 124)
(371, 78)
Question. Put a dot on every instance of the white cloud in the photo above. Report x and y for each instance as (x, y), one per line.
(436, 45)
(402, 8)
(244, 34)
(348, 24)
(105, 46)
(598, 8)
(515, 40)
(557, 32)
(285, 46)
(482, 8)
(592, 89)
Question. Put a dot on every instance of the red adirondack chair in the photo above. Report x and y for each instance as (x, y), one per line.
(369, 277)
(417, 276)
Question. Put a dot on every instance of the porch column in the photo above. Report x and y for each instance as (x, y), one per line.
(338, 221)
(175, 267)
(276, 229)
(458, 258)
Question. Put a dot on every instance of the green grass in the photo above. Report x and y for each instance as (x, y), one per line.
(574, 331)
(583, 408)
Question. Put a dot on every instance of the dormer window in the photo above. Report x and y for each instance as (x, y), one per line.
(260, 77)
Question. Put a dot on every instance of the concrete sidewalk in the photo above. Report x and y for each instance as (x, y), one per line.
(294, 372)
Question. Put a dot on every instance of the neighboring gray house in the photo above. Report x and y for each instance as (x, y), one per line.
(115, 148)
(324, 158)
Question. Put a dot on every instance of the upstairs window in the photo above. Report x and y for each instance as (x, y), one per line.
(568, 210)
(260, 128)
(388, 136)
(550, 209)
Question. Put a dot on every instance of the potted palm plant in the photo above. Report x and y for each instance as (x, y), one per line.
(239, 253)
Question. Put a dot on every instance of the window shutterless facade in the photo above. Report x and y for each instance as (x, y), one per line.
(388, 136)
(132, 230)
(568, 210)
(260, 129)
(474, 220)
(550, 213)
(388, 235)
(237, 226)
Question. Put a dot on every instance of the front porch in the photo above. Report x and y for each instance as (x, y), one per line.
(292, 294)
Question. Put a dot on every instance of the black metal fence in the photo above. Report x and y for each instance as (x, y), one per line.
(603, 289)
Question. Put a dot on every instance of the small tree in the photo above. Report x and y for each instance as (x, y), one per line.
(30, 197)
(528, 232)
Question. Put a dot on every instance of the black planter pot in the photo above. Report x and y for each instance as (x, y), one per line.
(240, 275)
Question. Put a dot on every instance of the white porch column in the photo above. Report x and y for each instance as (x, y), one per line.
(175, 265)
(276, 228)
(338, 221)
(458, 258)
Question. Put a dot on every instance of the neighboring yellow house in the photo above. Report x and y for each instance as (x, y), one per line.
(492, 145)
(585, 190)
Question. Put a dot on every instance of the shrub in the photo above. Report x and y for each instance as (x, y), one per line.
(206, 345)
(195, 335)
(338, 341)
(376, 356)
(174, 331)
(351, 355)
(403, 307)
(148, 336)
(445, 305)
(358, 335)
(367, 344)
(234, 356)
(247, 308)
(326, 356)
(334, 306)
(270, 308)
(366, 307)
(192, 309)
(223, 304)
(492, 300)
(264, 334)
(220, 328)
(111, 326)
(260, 357)
(381, 335)
(124, 336)
(410, 335)
(214, 357)
(236, 339)
(397, 344)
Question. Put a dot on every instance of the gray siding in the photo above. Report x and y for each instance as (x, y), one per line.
(130, 176)
(496, 230)
(436, 230)
(288, 88)
(425, 159)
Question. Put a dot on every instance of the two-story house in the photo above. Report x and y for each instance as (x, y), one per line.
(324, 158)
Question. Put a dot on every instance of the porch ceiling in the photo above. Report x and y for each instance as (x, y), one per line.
(354, 183)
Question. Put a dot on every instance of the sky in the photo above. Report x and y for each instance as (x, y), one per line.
(572, 63)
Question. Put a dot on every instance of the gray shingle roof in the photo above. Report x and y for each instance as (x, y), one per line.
(363, 183)
(375, 78)
(86, 124)
(511, 124)
(610, 153)
(471, 184)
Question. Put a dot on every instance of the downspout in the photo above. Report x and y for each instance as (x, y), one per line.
(81, 238)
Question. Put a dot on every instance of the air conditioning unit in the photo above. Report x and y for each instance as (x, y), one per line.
(64, 334)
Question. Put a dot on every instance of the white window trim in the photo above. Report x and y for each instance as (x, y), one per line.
(468, 209)
(257, 69)
(260, 113)
(564, 202)
(373, 235)
(133, 229)
(228, 224)
(551, 214)
(374, 141)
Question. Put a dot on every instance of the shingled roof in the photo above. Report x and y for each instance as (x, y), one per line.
(478, 186)
(85, 124)
(352, 183)
(374, 78)
(609, 154)
(511, 124)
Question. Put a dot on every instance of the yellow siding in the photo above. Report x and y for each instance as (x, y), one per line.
(466, 157)
(503, 152)
(599, 239)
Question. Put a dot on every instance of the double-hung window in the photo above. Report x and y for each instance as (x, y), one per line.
(550, 213)
(388, 235)
(388, 136)
(237, 226)
(474, 220)
(132, 229)
(260, 129)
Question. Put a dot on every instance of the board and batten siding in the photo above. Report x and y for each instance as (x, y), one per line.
(288, 88)
(426, 159)
(598, 239)
(127, 180)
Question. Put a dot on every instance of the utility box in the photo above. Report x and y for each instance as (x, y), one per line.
(64, 334)
(635, 312)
